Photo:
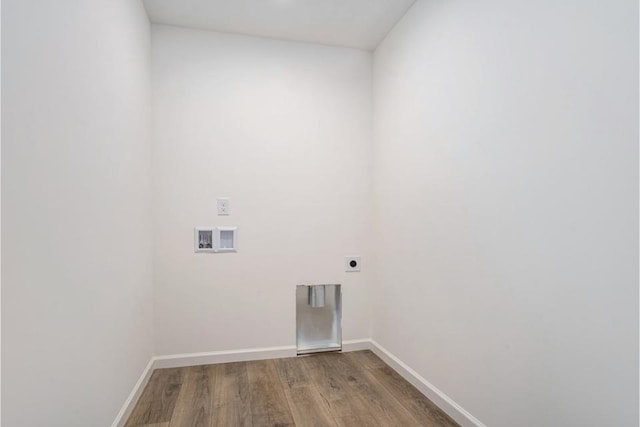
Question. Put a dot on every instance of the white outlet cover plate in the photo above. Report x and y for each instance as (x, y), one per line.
(223, 206)
(347, 263)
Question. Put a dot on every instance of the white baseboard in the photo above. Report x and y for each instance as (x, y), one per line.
(131, 401)
(356, 345)
(455, 411)
(227, 356)
(444, 402)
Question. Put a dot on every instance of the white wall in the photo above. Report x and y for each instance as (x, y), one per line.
(76, 276)
(283, 129)
(506, 189)
(0, 213)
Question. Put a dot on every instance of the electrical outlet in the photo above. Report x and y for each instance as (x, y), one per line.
(223, 206)
(352, 263)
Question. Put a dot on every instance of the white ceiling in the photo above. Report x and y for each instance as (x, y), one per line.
(353, 23)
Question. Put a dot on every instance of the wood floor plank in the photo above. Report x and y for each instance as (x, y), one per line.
(269, 406)
(293, 372)
(231, 401)
(366, 358)
(352, 407)
(158, 400)
(367, 393)
(194, 405)
(308, 408)
(330, 388)
(353, 420)
(415, 402)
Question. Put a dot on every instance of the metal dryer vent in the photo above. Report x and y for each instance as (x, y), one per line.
(318, 318)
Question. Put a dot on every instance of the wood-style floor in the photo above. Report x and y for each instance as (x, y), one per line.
(329, 389)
